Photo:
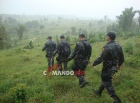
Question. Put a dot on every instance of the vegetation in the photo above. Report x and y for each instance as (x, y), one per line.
(22, 62)
(20, 30)
(4, 39)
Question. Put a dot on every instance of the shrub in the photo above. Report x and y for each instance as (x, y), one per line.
(129, 48)
(29, 46)
(5, 41)
(18, 93)
(68, 39)
(18, 50)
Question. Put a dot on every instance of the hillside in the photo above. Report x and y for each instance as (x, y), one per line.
(21, 73)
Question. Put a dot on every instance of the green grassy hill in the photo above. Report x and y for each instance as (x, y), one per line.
(21, 73)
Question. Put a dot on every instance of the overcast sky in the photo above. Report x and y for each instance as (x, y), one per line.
(79, 8)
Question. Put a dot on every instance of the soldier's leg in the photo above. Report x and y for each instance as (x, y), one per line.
(75, 68)
(49, 62)
(52, 62)
(82, 80)
(65, 65)
(59, 63)
(111, 91)
(104, 77)
(101, 88)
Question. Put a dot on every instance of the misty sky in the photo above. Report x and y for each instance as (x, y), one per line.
(79, 8)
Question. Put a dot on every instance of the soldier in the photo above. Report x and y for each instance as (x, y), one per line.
(49, 46)
(63, 50)
(81, 55)
(112, 58)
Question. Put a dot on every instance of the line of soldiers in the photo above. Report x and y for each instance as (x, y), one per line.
(111, 56)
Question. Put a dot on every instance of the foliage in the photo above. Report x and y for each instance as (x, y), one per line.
(41, 26)
(18, 50)
(68, 39)
(67, 33)
(126, 18)
(5, 41)
(57, 40)
(57, 89)
(128, 47)
(29, 46)
(73, 30)
(97, 37)
(133, 52)
(20, 30)
(113, 27)
(12, 20)
(18, 93)
(41, 89)
(32, 24)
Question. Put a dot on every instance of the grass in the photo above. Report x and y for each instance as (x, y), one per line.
(25, 66)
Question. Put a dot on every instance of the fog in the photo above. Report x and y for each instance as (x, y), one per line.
(79, 8)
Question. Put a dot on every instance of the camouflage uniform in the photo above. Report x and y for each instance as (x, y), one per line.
(80, 59)
(50, 47)
(112, 56)
(61, 59)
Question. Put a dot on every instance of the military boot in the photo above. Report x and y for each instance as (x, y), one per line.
(82, 82)
(117, 99)
(99, 92)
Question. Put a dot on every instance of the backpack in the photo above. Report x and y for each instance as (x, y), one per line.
(88, 49)
(52, 46)
(65, 51)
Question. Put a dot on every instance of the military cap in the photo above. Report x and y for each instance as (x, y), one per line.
(82, 35)
(49, 37)
(112, 35)
(62, 37)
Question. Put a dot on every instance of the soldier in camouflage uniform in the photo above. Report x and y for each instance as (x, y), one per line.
(50, 47)
(81, 55)
(63, 50)
(112, 58)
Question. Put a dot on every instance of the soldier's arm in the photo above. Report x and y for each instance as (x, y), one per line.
(75, 52)
(101, 57)
(90, 54)
(121, 60)
(45, 46)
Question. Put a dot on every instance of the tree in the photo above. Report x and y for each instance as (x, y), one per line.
(59, 19)
(79, 30)
(20, 30)
(90, 24)
(105, 17)
(11, 20)
(138, 11)
(41, 26)
(73, 30)
(32, 24)
(0, 20)
(46, 20)
(126, 18)
(4, 40)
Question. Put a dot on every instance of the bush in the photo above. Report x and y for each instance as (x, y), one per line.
(5, 41)
(18, 94)
(95, 38)
(68, 39)
(29, 46)
(129, 48)
(18, 50)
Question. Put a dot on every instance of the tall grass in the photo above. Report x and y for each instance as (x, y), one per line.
(21, 73)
